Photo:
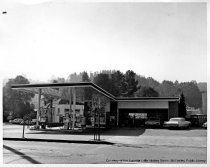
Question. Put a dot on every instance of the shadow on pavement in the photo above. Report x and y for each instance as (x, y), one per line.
(109, 132)
(21, 154)
(124, 132)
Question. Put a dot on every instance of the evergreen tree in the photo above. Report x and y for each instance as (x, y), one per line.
(182, 106)
(103, 80)
(131, 84)
(85, 77)
(87, 92)
(117, 81)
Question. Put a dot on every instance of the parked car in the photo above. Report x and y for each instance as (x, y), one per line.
(26, 122)
(14, 121)
(153, 122)
(205, 125)
(17, 121)
(33, 121)
(177, 123)
(198, 119)
(34, 127)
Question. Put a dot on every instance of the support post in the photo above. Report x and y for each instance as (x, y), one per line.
(99, 110)
(117, 117)
(74, 106)
(38, 111)
(23, 130)
(70, 107)
(94, 127)
(99, 125)
(51, 111)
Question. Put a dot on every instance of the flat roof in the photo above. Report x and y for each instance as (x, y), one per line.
(148, 99)
(89, 84)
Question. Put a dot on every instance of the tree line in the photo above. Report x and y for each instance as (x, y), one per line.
(130, 84)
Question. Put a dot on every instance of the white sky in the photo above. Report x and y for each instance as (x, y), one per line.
(166, 41)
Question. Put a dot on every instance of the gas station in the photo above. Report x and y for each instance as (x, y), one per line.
(87, 105)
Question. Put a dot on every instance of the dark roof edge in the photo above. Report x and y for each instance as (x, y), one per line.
(90, 84)
(44, 85)
(76, 84)
(147, 98)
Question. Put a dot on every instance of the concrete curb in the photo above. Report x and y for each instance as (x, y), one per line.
(59, 141)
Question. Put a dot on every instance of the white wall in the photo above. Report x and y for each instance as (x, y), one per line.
(142, 104)
(62, 109)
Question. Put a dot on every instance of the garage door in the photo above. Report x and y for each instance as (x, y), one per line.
(137, 117)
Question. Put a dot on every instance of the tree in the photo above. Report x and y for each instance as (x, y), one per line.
(147, 92)
(87, 92)
(149, 82)
(85, 77)
(117, 83)
(75, 77)
(104, 81)
(166, 88)
(15, 101)
(98, 110)
(193, 96)
(130, 85)
(182, 106)
(58, 80)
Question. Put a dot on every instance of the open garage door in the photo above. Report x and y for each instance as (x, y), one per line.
(137, 117)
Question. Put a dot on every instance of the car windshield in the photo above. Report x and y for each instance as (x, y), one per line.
(177, 119)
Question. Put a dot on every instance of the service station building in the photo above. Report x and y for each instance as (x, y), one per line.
(78, 109)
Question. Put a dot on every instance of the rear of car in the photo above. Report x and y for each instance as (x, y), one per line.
(17, 121)
(171, 124)
(205, 125)
(177, 123)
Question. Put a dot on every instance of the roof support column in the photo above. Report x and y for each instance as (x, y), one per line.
(117, 116)
(70, 108)
(168, 110)
(74, 106)
(38, 110)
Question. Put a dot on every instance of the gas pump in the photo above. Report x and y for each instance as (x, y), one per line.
(66, 121)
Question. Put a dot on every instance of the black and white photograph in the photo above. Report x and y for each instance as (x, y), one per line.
(104, 82)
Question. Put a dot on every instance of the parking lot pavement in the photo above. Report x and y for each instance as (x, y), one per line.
(135, 136)
(170, 146)
(161, 141)
(164, 137)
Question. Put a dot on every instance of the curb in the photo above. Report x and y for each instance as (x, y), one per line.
(59, 141)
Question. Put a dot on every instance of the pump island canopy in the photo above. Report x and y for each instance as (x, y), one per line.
(117, 110)
(47, 89)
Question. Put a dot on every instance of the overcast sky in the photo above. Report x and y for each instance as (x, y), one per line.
(166, 41)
